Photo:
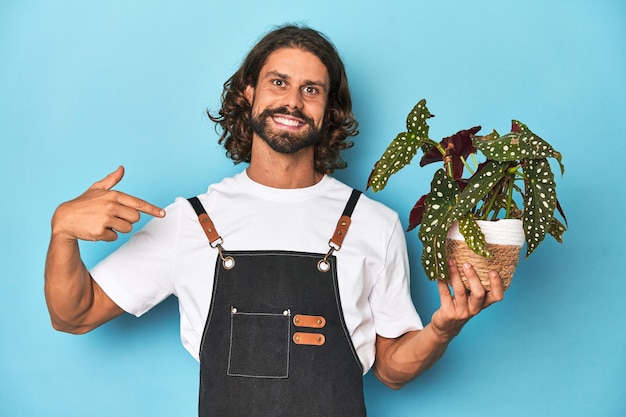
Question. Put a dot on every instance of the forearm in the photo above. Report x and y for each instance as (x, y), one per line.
(67, 285)
(401, 360)
(75, 301)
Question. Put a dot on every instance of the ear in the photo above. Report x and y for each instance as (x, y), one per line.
(249, 93)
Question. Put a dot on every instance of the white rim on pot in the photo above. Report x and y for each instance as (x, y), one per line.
(497, 232)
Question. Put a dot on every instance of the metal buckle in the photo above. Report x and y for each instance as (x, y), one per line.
(228, 262)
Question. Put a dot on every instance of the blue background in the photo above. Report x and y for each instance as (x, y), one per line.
(87, 86)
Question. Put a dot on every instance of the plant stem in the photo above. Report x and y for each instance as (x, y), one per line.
(469, 168)
(490, 203)
(444, 156)
(474, 161)
(509, 199)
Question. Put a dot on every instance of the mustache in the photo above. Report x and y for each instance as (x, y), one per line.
(285, 111)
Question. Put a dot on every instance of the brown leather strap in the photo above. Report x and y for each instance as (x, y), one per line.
(344, 221)
(340, 231)
(313, 339)
(209, 228)
(206, 222)
(315, 322)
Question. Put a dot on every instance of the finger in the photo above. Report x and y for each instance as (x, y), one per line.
(120, 225)
(456, 282)
(496, 292)
(105, 233)
(109, 235)
(113, 225)
(110, 180)
(444, 293)
(138, 205)
(478, 294)
(473, 281)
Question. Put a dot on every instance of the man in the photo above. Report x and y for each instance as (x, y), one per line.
(291, 285)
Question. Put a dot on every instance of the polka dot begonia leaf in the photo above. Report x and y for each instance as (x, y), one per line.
(416, 119)
(520, 144)
(474, 237)
(479, 186)
(539, 203)
(402, 149)
(440, 201)
(557, 229)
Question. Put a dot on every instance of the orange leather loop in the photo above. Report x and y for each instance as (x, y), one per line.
(209, 228)
(340, 231)
(315, 322)
(312, 339)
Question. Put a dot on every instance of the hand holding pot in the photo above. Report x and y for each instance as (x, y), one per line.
(459, 305)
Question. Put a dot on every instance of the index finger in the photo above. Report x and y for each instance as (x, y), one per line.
(140, 205)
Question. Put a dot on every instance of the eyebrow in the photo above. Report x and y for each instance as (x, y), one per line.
(270, 74)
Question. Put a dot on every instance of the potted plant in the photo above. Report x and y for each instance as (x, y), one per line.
(513, 185)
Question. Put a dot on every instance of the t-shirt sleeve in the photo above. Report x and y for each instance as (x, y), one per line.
(392, 307)
(138, 275)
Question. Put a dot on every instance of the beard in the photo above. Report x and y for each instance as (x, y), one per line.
(284, 141)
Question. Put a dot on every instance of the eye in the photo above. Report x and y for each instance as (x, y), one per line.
(309, 89)
(278, 82)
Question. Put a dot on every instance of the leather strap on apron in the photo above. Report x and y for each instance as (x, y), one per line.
(341, 230)
(275, 342)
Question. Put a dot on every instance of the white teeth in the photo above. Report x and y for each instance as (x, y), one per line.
(285, 121)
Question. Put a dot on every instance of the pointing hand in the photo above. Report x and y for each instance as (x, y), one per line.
(101, 212)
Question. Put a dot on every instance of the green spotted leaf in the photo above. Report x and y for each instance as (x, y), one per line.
(402, 149)
(520, 144)
(500, 148)
(478, 187)
(536, 147)
(434, 228)
(416, 119)
(398, 154)
(540, 202)
(557, 229)
(416, 123)
(474, 237)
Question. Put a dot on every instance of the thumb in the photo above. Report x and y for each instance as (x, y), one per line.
(110, 180)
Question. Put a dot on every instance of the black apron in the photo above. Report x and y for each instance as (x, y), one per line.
(275, 342)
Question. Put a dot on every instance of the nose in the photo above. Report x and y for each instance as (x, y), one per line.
(293, 98)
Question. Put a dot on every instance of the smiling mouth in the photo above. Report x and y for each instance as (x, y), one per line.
(285, 121)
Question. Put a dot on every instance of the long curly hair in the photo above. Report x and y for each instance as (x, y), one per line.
(234, 116)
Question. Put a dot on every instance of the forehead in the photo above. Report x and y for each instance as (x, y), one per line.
(297, 64)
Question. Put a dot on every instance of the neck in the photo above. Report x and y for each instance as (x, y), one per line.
(278, 170)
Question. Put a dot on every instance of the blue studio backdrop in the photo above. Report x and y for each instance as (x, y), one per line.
(88, 86)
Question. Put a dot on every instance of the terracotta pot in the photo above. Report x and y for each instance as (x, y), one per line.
(504, 237)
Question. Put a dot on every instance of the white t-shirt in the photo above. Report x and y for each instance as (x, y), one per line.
(172, 255)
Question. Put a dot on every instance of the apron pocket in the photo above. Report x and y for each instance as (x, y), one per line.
(259, 344)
